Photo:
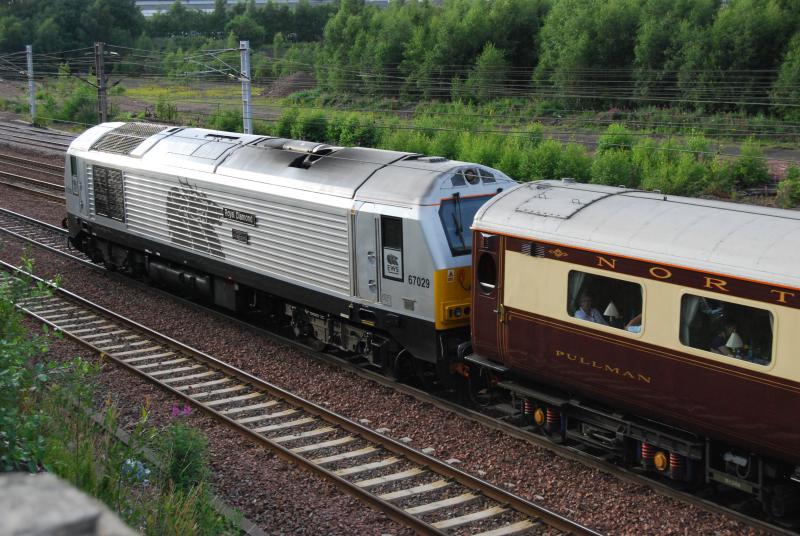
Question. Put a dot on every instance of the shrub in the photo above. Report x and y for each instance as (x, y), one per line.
(22, 381)
(183, 456)
(542, 161)
(352, 130)
(615, 167)
(286, 121)
(532, 135)
(166, 110)
(750, 169)
(404, 139)
(80, 107)
(227, 120)
(789, 188)
(617, 136)
(484, 149)
(575, 163)
(310, 126)
(511, 158)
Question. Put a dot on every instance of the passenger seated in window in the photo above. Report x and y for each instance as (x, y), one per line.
(634, 325)
(585, 311)
(720, 341)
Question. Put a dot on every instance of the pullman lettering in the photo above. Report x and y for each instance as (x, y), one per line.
(603, 367)
(239, 217)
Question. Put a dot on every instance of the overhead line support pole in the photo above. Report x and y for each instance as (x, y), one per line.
(247, 113)
(31, 83)
(99, 71)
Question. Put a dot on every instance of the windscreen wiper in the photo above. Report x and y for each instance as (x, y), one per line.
(457, 219)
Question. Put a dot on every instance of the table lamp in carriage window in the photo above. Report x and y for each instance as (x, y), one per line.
(735, 343)
(611, 313)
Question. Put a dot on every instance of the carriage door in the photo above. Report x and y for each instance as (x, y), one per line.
(487, 309)
(366, 253)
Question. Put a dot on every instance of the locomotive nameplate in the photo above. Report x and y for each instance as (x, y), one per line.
(238, 216)
(240, 236)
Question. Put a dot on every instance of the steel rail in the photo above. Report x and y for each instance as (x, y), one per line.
(420, 395)
(70, 314)
(32, 136)
(33, 186)
(34, 165)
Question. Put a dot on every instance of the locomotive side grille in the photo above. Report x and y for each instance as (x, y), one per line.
(538, 250)
(306, 244)
(108, 193)
(124, 139)
(526, 248)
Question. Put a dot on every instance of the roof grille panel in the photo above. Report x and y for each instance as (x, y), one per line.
(124, 139)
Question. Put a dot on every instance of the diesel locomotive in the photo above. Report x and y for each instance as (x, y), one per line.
(661, 329)
(360, 249)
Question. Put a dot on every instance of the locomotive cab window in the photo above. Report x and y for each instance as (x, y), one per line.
(73, 170)
(726, 328)
(605, 300)
(392, 247)
(456, 215)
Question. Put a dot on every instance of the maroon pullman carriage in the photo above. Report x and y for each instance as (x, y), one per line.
(663, 329)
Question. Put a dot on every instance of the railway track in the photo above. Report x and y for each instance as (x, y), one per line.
(49, 190)
(40, 234)
(31, 136)
(53, 170)
(54, 239)
(409, 486)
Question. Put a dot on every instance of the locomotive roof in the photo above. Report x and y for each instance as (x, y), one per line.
(739, 240)
(352, 172)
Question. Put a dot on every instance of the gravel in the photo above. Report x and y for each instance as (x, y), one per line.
(588, 495)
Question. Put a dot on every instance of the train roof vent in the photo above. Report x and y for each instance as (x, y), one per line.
(124, 139)
(430, 159)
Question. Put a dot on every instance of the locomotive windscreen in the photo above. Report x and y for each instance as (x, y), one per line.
(457, 215)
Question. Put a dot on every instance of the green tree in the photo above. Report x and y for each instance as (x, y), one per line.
(748, 37)
(665, 42)
(786, 91)
(581, 41)
(245, 27)
(486, 80)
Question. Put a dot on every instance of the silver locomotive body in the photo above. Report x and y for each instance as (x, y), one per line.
(364, 249)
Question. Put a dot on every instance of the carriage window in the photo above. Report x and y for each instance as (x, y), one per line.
(605, 300)
(727, 328)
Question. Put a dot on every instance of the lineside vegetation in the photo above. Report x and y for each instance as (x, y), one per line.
(46, 424)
